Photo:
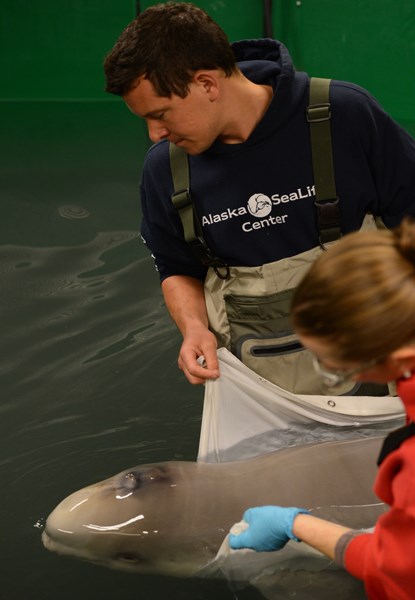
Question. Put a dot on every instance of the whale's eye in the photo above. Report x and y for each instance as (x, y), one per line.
(128, 557)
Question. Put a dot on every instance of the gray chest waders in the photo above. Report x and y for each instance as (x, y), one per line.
(249, 307)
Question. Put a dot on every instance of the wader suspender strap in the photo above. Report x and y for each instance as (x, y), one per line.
(327, 202)
(182, 201)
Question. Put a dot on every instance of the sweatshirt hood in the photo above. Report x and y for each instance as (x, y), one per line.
(264, 61)
(267, 62)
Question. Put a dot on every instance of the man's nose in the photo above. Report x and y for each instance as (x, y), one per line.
(157, 132)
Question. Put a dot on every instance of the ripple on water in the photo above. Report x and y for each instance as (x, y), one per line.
(72, 211)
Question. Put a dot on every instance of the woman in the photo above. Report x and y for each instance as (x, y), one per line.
(355, 310)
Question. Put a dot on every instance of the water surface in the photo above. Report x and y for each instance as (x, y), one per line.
(89, 378)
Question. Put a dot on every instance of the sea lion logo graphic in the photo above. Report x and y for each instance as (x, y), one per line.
(259, 205)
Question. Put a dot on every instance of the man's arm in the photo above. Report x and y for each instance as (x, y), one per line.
(185, 301)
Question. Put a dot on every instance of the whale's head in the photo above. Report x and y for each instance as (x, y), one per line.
(143, 519)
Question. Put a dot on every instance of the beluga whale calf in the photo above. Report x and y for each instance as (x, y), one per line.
(172, 518)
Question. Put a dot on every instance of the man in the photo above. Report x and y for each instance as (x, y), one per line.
(240, 113)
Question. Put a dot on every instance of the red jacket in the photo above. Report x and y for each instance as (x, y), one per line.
(385, 559)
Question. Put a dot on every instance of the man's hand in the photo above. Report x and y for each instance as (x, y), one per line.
(201, 342)
(185, 301)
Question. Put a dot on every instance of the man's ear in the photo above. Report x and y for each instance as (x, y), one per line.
(209, 82)
(405, 358)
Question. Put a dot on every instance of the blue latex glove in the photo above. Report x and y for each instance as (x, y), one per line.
(270, 528)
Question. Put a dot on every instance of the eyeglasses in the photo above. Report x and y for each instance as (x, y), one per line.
(335, 377)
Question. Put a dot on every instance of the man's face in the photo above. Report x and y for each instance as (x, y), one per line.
(192, 123)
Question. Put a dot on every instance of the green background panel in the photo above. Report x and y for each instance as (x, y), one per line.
(55, 48)
(243, 19)
(369, 42)
(51, 55)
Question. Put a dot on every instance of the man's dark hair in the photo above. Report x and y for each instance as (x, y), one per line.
(167, 44)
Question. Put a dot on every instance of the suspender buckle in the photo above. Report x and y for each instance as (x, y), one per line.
(181, 198)
(328, 220)
(318, 113)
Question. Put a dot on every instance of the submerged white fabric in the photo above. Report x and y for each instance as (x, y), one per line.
(245, 415)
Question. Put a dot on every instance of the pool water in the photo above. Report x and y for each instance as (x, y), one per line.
(89, 377)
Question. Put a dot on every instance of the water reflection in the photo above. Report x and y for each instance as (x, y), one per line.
(89, 378)
(89, 386)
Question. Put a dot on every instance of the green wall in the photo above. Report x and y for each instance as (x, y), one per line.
(55, 48)
(64, 140)
(369, 42)
(52, 49)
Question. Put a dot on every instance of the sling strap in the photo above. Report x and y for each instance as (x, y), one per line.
(327, 202)
(183, 203)
(318, 115)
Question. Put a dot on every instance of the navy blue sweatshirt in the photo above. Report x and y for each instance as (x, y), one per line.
(255, 200)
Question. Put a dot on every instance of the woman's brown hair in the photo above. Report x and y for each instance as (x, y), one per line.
(359, 296)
